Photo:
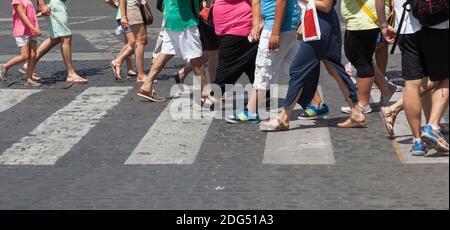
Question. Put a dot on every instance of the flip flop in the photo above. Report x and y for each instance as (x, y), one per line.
(116, 75)
(32, 84)
(78, 82)
(269, 128)
(35, 76)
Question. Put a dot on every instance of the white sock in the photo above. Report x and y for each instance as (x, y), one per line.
(436, 128)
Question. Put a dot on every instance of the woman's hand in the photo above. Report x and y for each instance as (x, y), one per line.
(45, 10)
(36, 31)
(389, 34)
(274, 42)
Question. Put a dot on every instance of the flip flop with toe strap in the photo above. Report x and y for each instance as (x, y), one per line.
(269, 128)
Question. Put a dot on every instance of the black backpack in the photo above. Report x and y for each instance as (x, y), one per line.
(427, 12)
(430, 12)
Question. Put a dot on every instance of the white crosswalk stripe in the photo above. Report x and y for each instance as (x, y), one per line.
(11, 97)
(53, 138)
(301, 145)
(173, 140)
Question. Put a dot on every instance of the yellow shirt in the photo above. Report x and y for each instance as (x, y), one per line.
(354, 16)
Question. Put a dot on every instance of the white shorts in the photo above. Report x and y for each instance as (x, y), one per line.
(270, 64)
(24, 40)
(185, 43)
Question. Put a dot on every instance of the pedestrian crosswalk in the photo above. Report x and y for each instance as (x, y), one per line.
(309, 142)
(10, 97)
(46, 144)
(168, 140)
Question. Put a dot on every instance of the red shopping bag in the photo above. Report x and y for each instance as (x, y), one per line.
(311, 28)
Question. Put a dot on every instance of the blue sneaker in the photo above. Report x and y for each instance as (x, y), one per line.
(434, 139)
(242, 116)
(419, 148)
(313, 112)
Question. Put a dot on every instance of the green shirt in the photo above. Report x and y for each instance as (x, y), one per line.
(118, 15)
(354, 16)
(179, 15)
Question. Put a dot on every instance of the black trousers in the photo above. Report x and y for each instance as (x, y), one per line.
(236, 57)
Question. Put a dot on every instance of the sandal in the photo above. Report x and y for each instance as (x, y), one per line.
(79, 81)
(35, 77)
(269, 128)
(388, 119)
(352, 123)
(116, 73)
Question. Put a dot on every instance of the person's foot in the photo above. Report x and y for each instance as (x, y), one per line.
(31, 83)
(76, 79)
(418, 148)
(116, 70)
(131, 73)
(364, 109)
(434, 138)
(352, 123)
(386, 96)
(389, 119)
(141, 79)
(242, 116)
(3, 73)
(35, 76)
(152, 96)
(314, 112)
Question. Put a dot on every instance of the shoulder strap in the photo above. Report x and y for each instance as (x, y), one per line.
(368, 12)
(400, 24)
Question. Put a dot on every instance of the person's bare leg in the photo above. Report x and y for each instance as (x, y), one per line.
(157, 66)
(141, 41)
(125, 53)
(45, 47)
(66, 51)
(128, 60)
(412, 104)
(31, 62)
(198, 70)
(24, 56)
(380, 80)
(213, 62)
(440, 103)
(356, 113)
(317, 100)
(427, 102)
(257, 96)
(364, 88)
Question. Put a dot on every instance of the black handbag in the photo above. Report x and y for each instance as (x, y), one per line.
(146, 12)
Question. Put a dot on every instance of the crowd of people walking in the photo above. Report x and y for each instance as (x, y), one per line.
(221, 40)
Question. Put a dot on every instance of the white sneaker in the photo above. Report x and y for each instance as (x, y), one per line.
(364, 109)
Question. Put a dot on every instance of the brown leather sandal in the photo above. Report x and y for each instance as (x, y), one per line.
(352, 123)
